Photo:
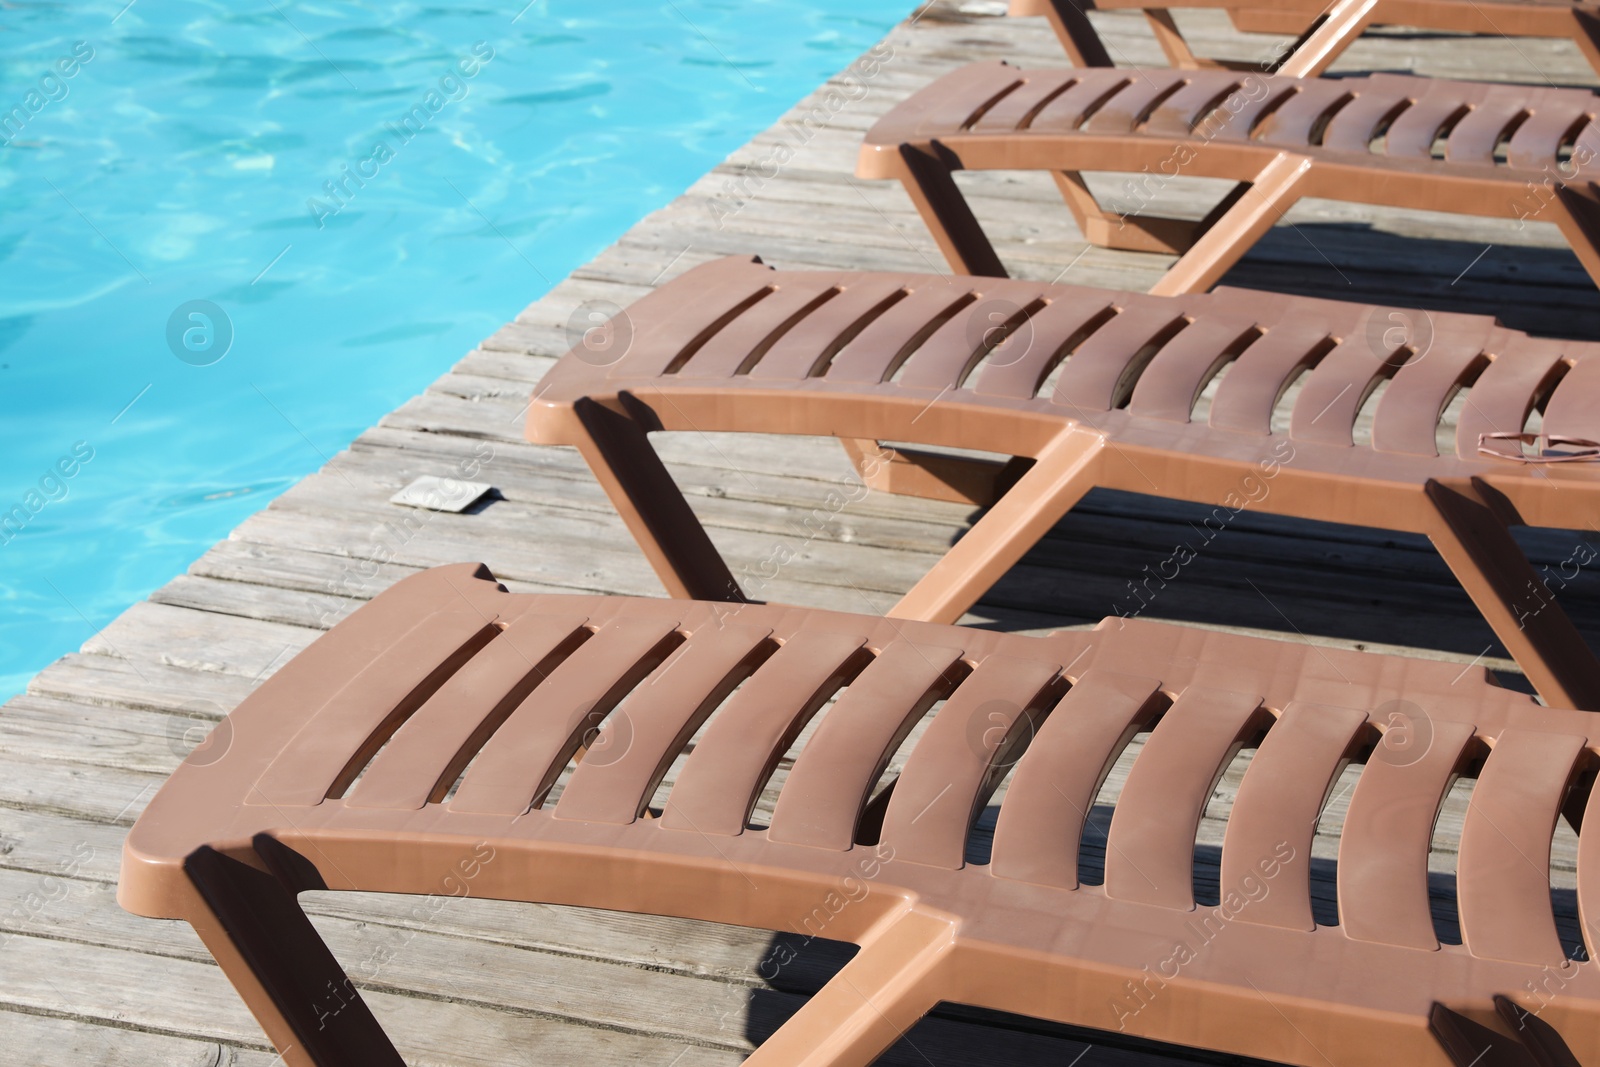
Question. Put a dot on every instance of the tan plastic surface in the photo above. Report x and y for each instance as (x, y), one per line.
(230, 839)
(1501, 151)
(966, 362)
(1323, 29)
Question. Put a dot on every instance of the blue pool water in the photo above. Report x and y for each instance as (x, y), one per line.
(158, 163)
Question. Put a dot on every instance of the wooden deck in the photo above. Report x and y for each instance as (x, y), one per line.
(483, 982)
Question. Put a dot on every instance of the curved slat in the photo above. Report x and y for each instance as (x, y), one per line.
(521, 760)
(720, 781)
(938, 794)
(1037, 89)
(1534, 144)
(1170, 384)
(1020, 362)
(1503, 876)
(664, 322)
(1246, 397)
(1179, 113)
(1474, 138)
(1122, 112)
(1150, 847)
(1325, 411)
(1589, 874)
(1414, 130)
(795, 296)
(1407, 418)
(1291, 124)
(1383, 849)
(1067, 111)
(1278, 803)
(1574, 408)
(1091, 377)
(1241, 123)
(1352, 128)
(823, 796)
(869, 356)
(945, 357)
(1505, 391)
(637, 744)
(432, 744)
(338, 740)
(814, 339)
(1041, 822)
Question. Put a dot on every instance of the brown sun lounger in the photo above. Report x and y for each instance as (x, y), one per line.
(1088, 387)
(1323, 30)
(344, 771)
(1500, 151)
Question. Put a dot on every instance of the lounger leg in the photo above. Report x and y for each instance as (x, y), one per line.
(1586, 32)
(945, 212)
(1060, 476)
(1170, 38)
(1250, 216)
(1070, 20)
(931, 475)
(880, 994)
(274, 957)
(619, 453)
(1518, 606)
(1133, 232)
(1576, 210)
(1346, 20)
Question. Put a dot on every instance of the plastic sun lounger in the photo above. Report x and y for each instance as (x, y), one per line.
(1323, 30)
(336, 774)
(1508, 151)
(1088, 387)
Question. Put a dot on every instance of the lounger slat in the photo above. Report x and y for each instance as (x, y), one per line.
(828, 785)
(722, 777)
(1179, 113)
(1574, 408)
(1150, 846)
(1274, 816)
(523, 757)
(1291, 125)
(1352, 129)
(1170, 384)
(943, 360)
(1503, 873)
(1014, 108)
(814, 340)
(737, 344)
(1021, 362)
(719, 289)
(1536, 142)
(1260, 93)
(1407, 419)
(1041, 822)
(1388, 829)
(1414, 130)
(1246, 397)
(425, 748)
(871, 356)
(1325, 412)
(1474, 138)
(1128, 108)
(938, 794)
(1505, 392)
(1101, 366)
(1589, 875)
(1067, 111)
(338, 739)
(631, 754)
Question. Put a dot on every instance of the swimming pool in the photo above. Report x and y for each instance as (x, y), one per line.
(212, 277)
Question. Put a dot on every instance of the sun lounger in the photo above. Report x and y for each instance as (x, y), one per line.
(1501, 151)
(344, 771)
(1087, 387)
(1323, 30)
